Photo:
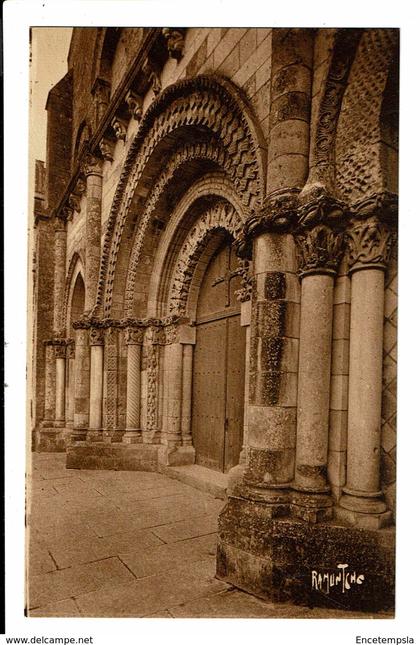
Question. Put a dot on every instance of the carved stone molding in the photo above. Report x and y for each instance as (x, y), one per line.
(319, 250)
(321, 208)
(106, 147)
(82, 323)
(383, 205)
(133, 335)
(96, 336)
(135, 104)
(208, 101)
(66, 213)
(91, 165)
(120, 128)
(244, 293)
(369, 243)
(175, 42)
(60, 351)
(221, 216)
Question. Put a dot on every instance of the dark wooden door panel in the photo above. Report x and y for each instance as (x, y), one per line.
(209, 394)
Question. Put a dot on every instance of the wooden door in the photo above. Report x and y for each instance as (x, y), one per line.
(219, 365)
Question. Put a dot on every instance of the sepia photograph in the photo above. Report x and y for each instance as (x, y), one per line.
(214, 320)
(212, 308)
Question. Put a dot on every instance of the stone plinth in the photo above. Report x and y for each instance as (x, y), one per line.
(286, 560)
(101, 455)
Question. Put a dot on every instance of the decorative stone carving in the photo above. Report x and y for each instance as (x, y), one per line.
(134, 335)
(369, 243)
(80, 187)
(152, 380)
(383, 205)
(321, 208)
(82, 323)
(135, 104)
(101, 93)
(74, 203)
(151, 73)
(67, 213)
(221, 216)
(91, 165)
(319, 250)
(106, 148)
(244, 293)
(60, 349)
(175, 42)
(120, 128)
(206, 101)
(96, 336)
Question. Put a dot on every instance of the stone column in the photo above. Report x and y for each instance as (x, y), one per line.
(60, 384)
(369, 244)
(96, 339)
(246, 322)
(173, 374)
(187, 338)
(60, 242)
(70, 385)
(49, 406)
(319, 252)
(81, 380)
(92, 169)
(134, 340)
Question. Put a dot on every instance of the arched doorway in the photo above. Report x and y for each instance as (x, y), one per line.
(219, 365)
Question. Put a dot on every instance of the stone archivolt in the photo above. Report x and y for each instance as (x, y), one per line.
(211, 151)
(221, 216)
(204, 101)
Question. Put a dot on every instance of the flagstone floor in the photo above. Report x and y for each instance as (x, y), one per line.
(135, 544)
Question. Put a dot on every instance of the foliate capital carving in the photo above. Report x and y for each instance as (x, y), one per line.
(319, 250)
(175, 42)
(91, 165)
(134, 335)
(60, 350)
(321, 208)
(369, 244)
(278, 213)
(120, 128)
(106, 148)
(383, 205)
(135, 104)
(96, 336)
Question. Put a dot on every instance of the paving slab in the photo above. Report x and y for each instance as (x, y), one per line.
(201, 525)
(66, 583)
(62, 609)
(154, 593)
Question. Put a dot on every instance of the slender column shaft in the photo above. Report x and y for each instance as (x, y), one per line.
(49, 409)
(96, 383)
(245, 322)
(133, 386)
(365, 383)
(173, 359)
(81, 383)
(187, 394)
(93, 171)
(314, 382)
(60, 388)
(60, 241)
(70, 392)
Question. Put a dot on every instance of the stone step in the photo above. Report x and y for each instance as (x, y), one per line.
(209, 481)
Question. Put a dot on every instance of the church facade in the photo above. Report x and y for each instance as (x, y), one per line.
(215, 284)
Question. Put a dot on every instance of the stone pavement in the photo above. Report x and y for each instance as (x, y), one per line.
(115, 543)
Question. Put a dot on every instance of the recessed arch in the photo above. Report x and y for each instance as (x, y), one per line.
(206, 110)
(75, 284)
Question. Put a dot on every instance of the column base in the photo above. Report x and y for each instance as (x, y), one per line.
(283, 559)
(51, 438)
(311, 507)
(363, 520)
(132, 435)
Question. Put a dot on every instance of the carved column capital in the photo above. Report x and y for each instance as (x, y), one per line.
(134, 335)
(319, 250)
(321, 208)
(383, 205)
(175, 42)
(135, 104)
(96, 336)
(369, 243)
(92, 165)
